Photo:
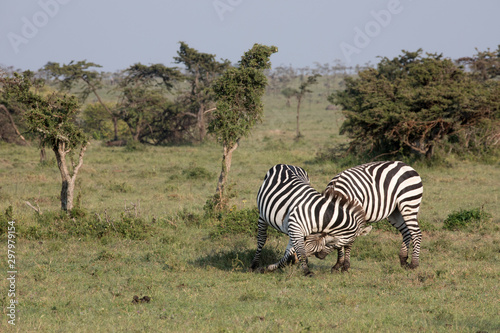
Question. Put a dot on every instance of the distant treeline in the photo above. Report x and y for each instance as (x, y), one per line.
(409, 105)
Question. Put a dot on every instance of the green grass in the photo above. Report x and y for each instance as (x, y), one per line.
(465, 218)
(82, 277)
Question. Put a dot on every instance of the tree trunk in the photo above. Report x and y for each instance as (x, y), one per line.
(298, 116)
(68, 178)
(13, 124)
(201, 123)
(430, 152)
(227, 155)
(43, 155)
(115, 127)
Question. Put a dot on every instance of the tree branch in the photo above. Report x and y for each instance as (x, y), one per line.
(2, 107)
(36, 209)
(190, 114)
(80, 160)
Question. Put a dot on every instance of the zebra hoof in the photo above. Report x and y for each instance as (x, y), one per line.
(412, 265)
(335, 268)
(260, 270)
(309, 274)
(406, 265)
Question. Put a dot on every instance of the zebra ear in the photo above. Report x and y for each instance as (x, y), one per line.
(365, 231)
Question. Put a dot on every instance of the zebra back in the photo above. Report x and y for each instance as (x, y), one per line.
(331, 213)
(380, 187)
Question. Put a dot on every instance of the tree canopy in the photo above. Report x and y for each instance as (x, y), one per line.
(143, 101)
(52, 118)
(201, 71)
(299, 94)
(411, 104)
(238, 94)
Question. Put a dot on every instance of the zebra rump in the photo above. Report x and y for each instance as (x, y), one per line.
(391, 190)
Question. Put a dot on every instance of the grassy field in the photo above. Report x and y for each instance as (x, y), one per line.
(71, 280)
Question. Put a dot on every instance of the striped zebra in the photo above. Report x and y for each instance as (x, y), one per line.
(316, 223)
(391, 190)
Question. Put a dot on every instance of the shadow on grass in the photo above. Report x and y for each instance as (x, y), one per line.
(236, 260)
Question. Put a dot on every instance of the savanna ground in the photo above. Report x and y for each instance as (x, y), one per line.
(80, 277)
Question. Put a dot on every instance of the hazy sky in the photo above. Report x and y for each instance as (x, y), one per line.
(119, 33)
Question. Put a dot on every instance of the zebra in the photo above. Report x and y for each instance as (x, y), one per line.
(391, 190)
(316, 223)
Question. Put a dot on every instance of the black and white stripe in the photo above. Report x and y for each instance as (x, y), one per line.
(391, 190)
(315, 222)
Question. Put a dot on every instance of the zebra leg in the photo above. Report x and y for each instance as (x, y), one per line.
(397, 220)
(409, 214)
(347, 258)
(297, 239)
(261, 240)
(416, 238)
(340, 260)
(403, 252)
(289, 256)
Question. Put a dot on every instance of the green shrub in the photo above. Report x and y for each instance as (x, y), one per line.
(236, 221)
(135, 146)
(465, 218)
(239, 221)
(132, 227)
(197, 173)
(214, 208)
(93, 227)
(5, 219)
(79, 223)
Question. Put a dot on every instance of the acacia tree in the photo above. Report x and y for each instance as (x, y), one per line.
(202, 69)
(299, 94)
(69, 75)
(52, 119)
(410, 104)
(12, 112)
(143, 99)
(485, 65)
(288, 92)
(239, 107)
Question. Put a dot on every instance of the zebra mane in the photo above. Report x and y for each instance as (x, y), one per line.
(332, 194)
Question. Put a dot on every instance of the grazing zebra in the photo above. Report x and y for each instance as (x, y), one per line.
(316, 223)
(391, 190)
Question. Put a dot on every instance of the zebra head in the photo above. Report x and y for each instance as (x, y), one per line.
(322, 244)
(332, 243)
(315, 243)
